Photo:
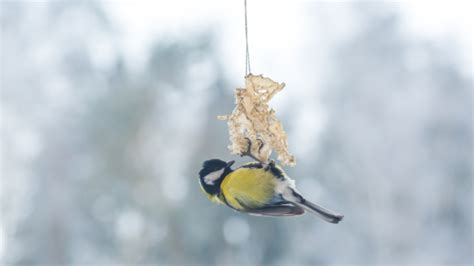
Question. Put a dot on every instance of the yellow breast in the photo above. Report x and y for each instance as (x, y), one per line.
(248, 188)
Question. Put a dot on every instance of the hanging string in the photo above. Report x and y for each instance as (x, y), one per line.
(247, 54)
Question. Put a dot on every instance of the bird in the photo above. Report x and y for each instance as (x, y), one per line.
(257, 188)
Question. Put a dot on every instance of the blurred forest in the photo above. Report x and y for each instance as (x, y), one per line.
(99, 160)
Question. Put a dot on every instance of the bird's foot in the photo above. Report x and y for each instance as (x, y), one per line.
(270, 164)
(248, 152)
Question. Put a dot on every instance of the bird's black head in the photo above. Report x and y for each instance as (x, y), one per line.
(212, 173)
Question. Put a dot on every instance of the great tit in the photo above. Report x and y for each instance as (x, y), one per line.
(258, 189)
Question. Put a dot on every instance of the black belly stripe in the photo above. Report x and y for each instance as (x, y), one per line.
(242, 204)
(221, 195)
(227, 203)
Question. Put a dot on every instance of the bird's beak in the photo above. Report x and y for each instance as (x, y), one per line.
(230, 163)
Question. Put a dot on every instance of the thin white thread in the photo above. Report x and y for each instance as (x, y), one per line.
(247, 54)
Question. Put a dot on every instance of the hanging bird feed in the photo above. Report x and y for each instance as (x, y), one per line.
(253, 121)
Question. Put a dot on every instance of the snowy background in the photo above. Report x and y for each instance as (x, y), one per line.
(109, 108)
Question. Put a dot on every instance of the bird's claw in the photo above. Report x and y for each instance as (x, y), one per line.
(270, 164)
(248, 152)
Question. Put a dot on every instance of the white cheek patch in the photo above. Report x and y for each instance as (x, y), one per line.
(213, 176)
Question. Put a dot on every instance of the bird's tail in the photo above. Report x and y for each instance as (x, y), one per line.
(323, 213)
(294, 197)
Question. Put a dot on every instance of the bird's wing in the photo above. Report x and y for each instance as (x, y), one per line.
(277, 210)
(249, 188)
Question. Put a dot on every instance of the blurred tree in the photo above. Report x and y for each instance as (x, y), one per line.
(399, 124)
(100, 161)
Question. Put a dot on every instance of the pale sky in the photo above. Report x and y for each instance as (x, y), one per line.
(280, 33)
(142, 21)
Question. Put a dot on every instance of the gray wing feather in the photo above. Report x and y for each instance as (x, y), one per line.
(277, 210)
